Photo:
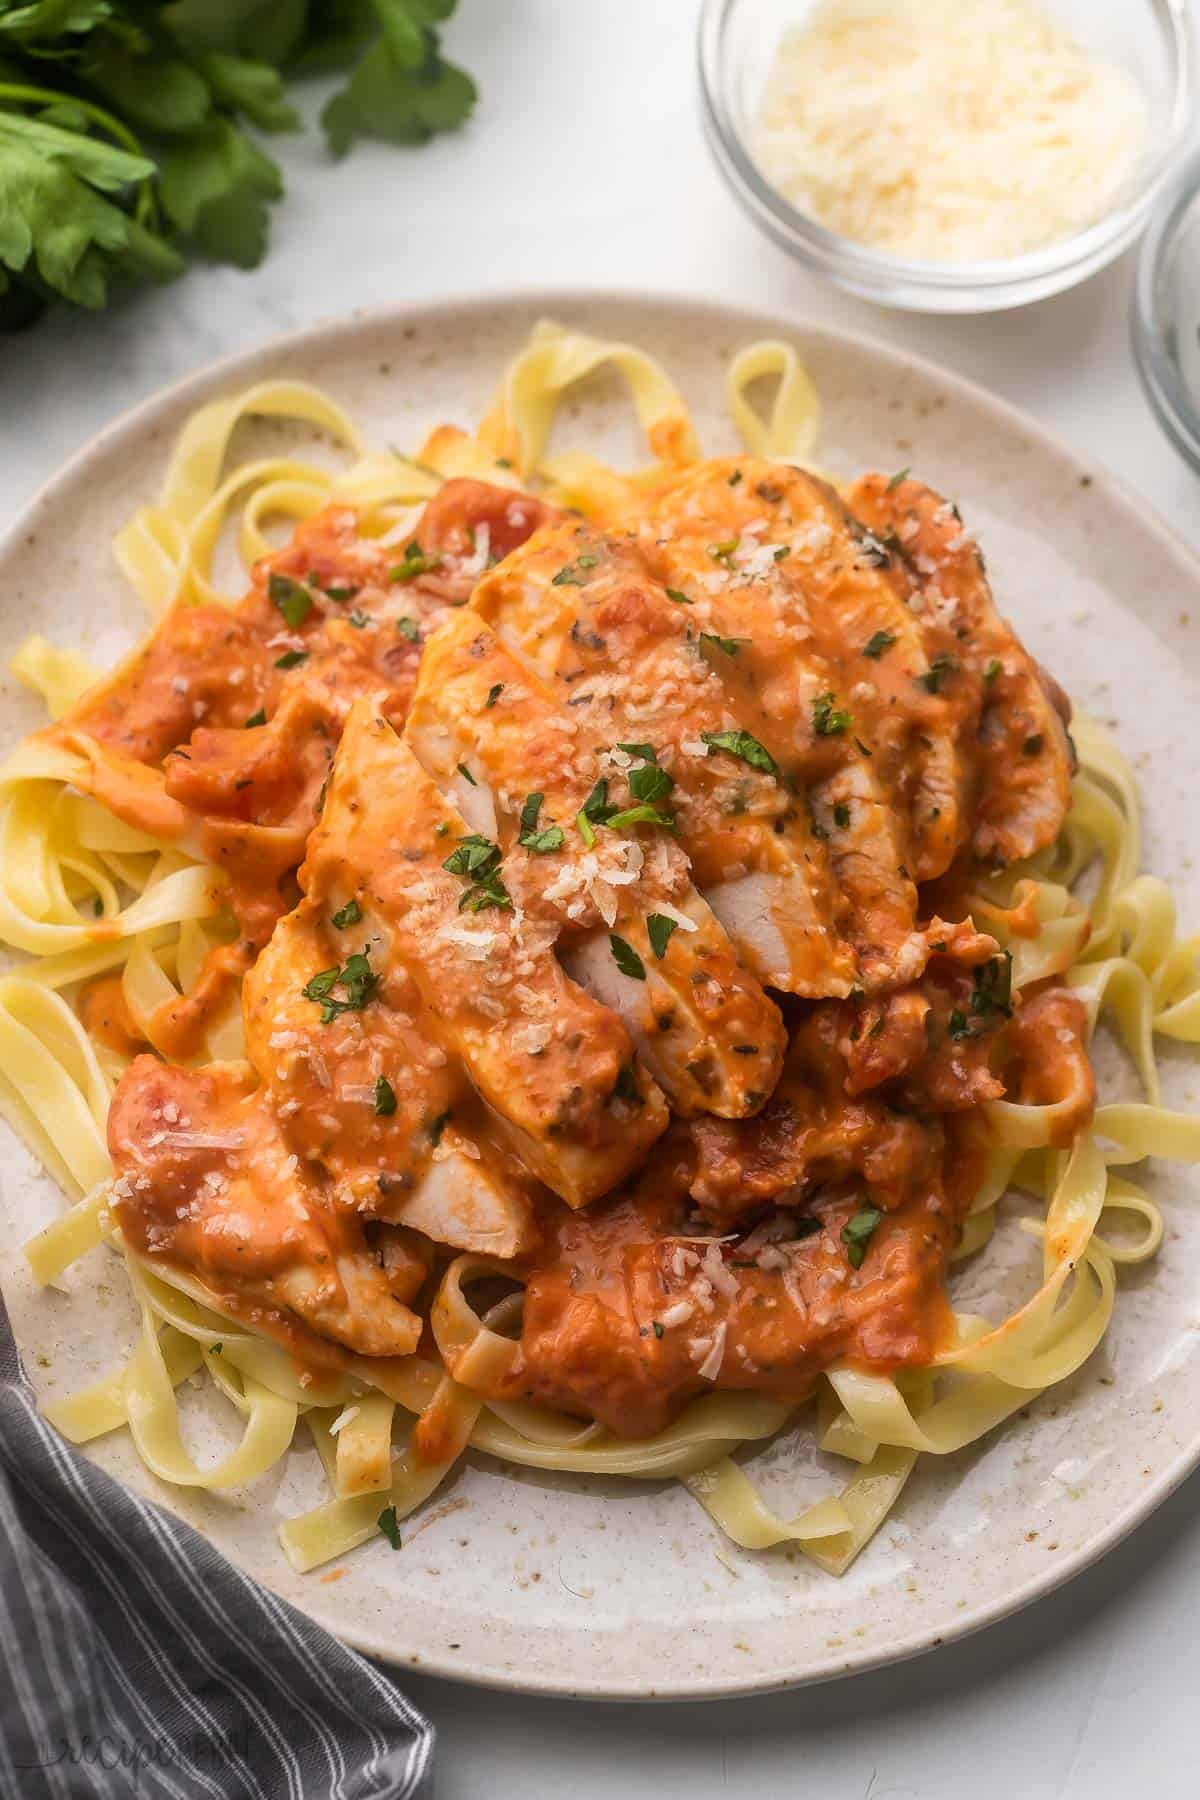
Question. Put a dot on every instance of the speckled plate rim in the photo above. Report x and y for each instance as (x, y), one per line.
(145, 420)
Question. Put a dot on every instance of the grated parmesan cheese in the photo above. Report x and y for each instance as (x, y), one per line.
(946, 130)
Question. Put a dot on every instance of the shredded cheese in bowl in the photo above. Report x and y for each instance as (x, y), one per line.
(946, 130)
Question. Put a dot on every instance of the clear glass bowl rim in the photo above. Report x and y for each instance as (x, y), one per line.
(868, 270)
(1165, 388)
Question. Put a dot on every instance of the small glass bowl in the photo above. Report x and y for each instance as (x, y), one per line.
(1154, 40)
(1166, 312)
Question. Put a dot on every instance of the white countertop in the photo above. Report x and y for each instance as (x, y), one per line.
(585, 163)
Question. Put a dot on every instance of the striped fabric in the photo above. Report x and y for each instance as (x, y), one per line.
(135, 1660)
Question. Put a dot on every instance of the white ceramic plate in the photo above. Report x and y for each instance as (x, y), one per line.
(608, 1589)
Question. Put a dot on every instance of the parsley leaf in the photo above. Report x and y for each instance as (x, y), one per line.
(539, 842)
(627, 958)
(877, 643)
(680, 598)
(291, 659)
(389, 1527)
(828, 719)
(293, 599)
(494, 693)
(858, 1232)
(709, 640)
(573, 574)
(350, 914)
(357, 980)
(650, 783)
(659, 929)
(743, 745)
(409, 629)
(415, 563)
(640, 815)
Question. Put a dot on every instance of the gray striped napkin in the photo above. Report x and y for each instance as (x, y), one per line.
(134, 1659)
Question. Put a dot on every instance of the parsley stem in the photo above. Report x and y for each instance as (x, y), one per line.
(11, 90)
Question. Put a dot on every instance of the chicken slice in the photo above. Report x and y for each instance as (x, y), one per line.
(207, 1182)
(582, 611)
(1024, 755)
(702, 1025)
(556, 1068)
(366, 1098)
(776, 572)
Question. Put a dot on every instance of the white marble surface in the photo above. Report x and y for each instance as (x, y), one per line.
(585, 164)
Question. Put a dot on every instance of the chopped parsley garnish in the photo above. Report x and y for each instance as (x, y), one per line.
(573, 574)
(710, 640)
(529, 814)
(594, 811)
(723, 552)
(659, 929)
(415, 563)
(784, 550)
(494, 693)
(735, 478)
(408, 628)
(877, 643)
(390, 1529)
(897, 478)
(627, 958)
(858, 1232)
(936, 673)
(959, 1025)
(742, 745)
(992, 670)
(539, 842)
(339, 593)
(1033, 746)
(385, 1097)
(256, 718)
(841, 815)
(349, 914)
(658, 1330)
(442, 828)
(292, 598)
(466, 774)
(647, 752)
(829, 720)
(357, 980)
(359, 620)
(640, 815)
(993, 986)
(215, 1349)
(650, 783)
(542, 842)
(474, 858)
(679, 598)
(291, 659)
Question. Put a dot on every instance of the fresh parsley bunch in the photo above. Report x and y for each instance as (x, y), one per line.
(122, 126)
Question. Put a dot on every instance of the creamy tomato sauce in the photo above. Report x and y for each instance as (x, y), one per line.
(639, 965)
